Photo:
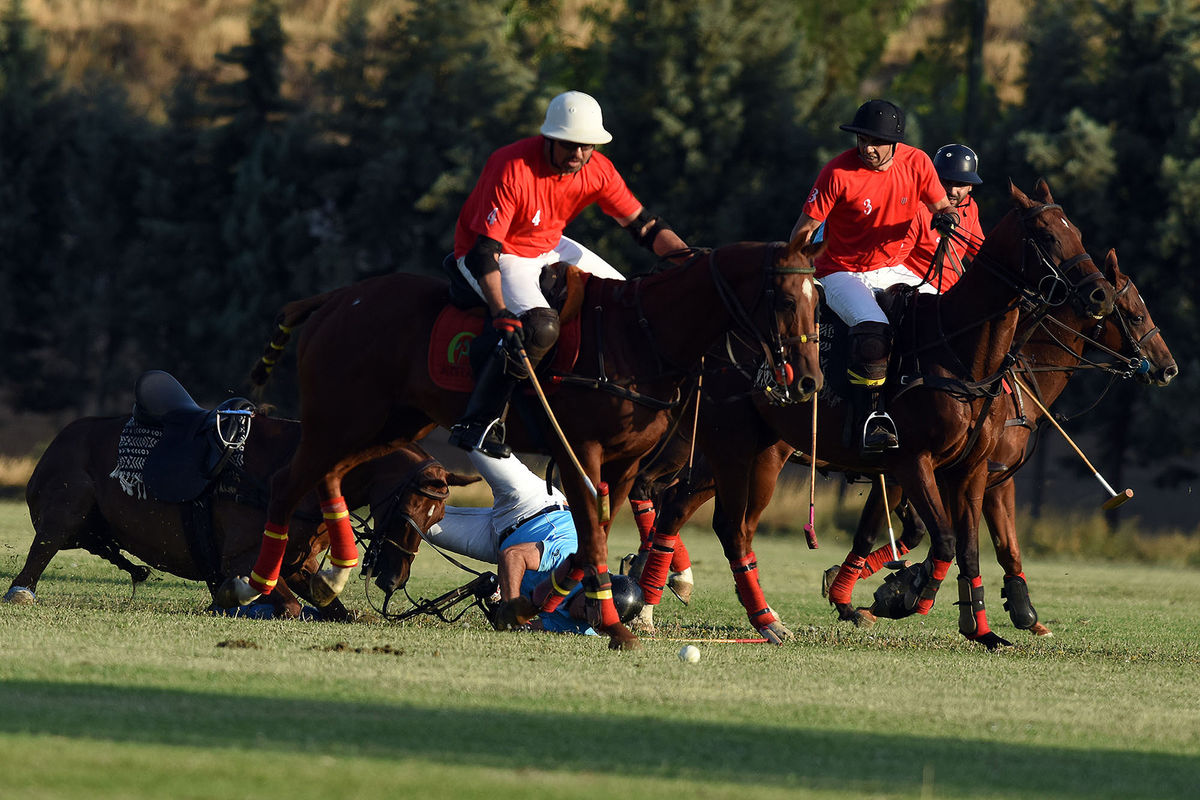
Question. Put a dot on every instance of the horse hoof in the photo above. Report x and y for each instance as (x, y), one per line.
(776, 633)
(21, 596)
(1039, 629)
(633, 564)
(621, 638)
(327, 584)
(234, 592)
(827, 579)
(643, 623)
(863, 618)
(991, 641)
(681, 585)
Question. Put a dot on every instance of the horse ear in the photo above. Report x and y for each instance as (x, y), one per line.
(1112, 270)
(1018, 197)
(811, 250)
(1043, 191)
(454, 479)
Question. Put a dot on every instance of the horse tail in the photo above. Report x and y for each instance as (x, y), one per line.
(290, 316)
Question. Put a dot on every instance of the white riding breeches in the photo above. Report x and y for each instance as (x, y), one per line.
(901, 274)
(518, 495)
(520, 277)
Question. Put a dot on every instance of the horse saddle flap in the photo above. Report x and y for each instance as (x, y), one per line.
(196, 443)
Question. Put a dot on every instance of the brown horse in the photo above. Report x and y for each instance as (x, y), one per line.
(74, 502)
(365, 388)
(1053, 353)
(954, 348)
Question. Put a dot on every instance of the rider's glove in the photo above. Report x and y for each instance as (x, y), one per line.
(509, 326)
(944, 222)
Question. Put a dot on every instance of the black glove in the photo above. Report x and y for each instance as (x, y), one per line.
(511, 332)
(944, 222)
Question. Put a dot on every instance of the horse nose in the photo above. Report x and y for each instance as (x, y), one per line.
(808, 385)
(1101, 300)
(1168, 374)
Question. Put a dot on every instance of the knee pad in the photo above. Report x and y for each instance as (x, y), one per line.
(540, 328)
(870, 346)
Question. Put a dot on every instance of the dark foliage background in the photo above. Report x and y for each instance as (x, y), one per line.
(128, 244)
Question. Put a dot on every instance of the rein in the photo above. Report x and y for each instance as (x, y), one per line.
(1050, 292)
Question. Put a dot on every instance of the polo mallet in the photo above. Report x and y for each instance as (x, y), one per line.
(895, 563)
(1115, 499)
(810, 530)
(601, 496)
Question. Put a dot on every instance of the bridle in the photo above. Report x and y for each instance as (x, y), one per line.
(390, 509)
(774, 375)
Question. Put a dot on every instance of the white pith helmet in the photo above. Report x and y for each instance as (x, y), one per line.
(575, 117)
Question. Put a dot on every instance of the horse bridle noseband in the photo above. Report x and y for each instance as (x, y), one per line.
(773, 377)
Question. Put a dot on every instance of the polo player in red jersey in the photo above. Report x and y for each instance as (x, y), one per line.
(866, 198)
(512, 225)
(957, 167)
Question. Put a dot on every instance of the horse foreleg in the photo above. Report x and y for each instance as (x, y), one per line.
(743, 492)
(920, 486)
(328, 583)
(875, 509)
(838, 582)
(998, 509)
(966, 506)
(677, 505)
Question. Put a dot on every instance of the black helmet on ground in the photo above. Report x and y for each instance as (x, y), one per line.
(879, 119)
(627, 597)
(957, 163)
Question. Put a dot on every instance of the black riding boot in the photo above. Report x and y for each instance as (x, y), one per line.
(870, 344)
(482, 426)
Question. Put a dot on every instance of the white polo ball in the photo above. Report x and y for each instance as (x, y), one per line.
(689, 654)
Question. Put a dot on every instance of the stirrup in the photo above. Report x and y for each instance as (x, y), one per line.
(487, 439)
(883, 436)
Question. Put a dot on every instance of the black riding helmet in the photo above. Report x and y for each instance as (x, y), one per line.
(880, 119)
(627, 597)
(957, 163)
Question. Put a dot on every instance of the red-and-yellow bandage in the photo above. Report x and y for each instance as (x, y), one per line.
(265, 574)
(342, 550)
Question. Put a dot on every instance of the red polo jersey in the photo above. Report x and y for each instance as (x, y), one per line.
(521, 202)
(867, 213)
(922, 240)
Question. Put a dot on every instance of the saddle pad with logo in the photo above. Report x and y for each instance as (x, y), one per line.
(450, 347)
(136, 444)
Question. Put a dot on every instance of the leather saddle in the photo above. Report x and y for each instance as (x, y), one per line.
(196, 443)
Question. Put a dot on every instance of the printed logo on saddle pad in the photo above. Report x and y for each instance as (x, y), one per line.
(450, 347)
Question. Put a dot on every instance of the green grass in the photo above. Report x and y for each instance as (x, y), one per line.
(106, 695)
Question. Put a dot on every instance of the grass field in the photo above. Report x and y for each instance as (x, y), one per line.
(107, 695)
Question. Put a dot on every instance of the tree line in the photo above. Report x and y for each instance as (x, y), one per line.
(128, 244)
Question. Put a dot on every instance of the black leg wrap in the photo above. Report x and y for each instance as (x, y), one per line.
(970, 600)
(1017, 603)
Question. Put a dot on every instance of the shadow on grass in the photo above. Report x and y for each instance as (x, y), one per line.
(631, 745)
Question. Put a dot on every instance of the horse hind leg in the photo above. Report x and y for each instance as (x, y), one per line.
(62, 519)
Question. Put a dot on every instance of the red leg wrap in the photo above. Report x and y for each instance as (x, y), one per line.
(940, 568)
(658, 565)
(550, 593)
(597, 588)
(879, 557)
(842, 589)
(644, 516)
(342, 550)
(680, 560)
(745, 579)
(265, 574)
